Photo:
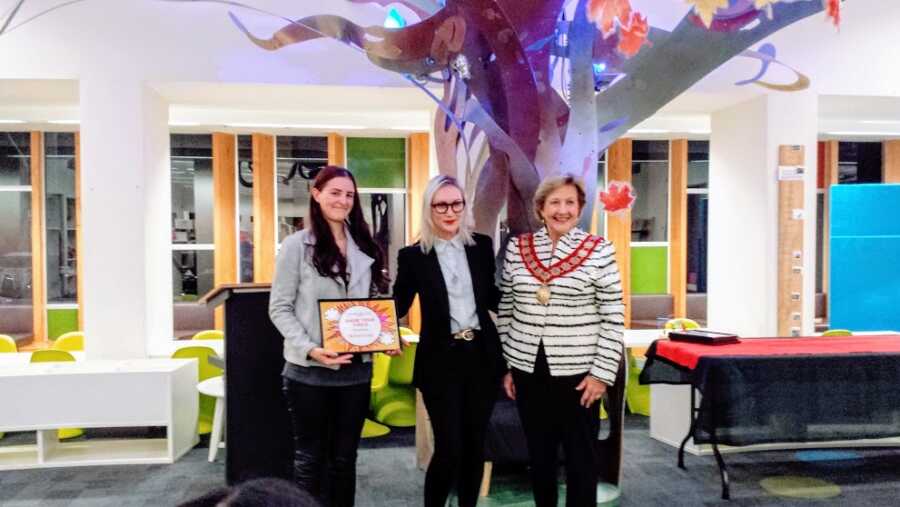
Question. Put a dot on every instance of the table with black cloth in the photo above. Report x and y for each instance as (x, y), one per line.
(766, 390)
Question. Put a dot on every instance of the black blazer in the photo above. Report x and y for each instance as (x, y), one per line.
(418, 273)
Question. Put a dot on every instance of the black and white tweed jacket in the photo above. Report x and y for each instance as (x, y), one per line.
(581, 327)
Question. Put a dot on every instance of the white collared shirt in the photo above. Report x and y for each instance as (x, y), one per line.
(458, 279)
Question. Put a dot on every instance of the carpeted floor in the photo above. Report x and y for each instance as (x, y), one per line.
(387, 476)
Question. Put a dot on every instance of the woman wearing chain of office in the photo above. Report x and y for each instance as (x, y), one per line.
(560, 321)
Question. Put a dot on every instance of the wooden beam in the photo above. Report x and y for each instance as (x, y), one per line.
(38, 250)
(829, 177)
(337, 150)
(891, 161)
(790, 242)
(79, 278)
(618, 227)
(264, 221)
(225, 224)
(678, 180)
(417, 170)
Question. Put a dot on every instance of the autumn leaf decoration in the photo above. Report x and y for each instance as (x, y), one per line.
(833, 10)
(618, 197)
(610, 15)
(706, 9)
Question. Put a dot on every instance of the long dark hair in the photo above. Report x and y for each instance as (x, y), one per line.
(326, 255)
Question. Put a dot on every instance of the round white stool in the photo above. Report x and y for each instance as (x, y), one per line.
(215, 387)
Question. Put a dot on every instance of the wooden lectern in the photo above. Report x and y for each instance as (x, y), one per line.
(258, 432)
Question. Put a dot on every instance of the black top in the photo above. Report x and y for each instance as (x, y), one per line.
(420, 273)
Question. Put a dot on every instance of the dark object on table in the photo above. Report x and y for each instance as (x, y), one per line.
(703, 336)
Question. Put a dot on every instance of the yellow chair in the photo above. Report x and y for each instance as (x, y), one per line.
(838, 332)
(210, 334)
(381, 367)
(681, 324)
(71, 341)
(207, 409)
(56, 356)
(7, 344)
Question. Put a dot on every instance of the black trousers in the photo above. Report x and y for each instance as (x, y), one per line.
(551, 415)
(327, 423)
(459, 409)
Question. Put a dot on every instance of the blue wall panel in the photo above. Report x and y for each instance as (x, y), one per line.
(865, 257)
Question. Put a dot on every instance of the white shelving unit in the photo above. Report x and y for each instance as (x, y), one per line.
(43, 397)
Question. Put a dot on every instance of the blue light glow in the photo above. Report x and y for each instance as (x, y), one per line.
(394, 20)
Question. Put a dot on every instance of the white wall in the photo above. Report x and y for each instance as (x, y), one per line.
(743, 211)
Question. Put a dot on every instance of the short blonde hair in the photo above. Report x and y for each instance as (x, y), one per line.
(553, 183)
(466, 222)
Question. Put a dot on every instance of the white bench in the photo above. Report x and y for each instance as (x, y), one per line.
(43, 397)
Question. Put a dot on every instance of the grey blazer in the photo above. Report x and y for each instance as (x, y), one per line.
(297, 288)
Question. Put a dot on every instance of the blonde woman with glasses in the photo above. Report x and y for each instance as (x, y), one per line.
(459, 362)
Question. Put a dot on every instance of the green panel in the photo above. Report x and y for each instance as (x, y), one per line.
(61, 320)
(376, 162)
(649, 269)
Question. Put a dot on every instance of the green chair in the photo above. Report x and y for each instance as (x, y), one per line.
(381, 365)
(56, 356)
(838, 332)
(72, 341)
(395, 405)
(637, 396)
(207, 408)
(210, 334)
(7, 344)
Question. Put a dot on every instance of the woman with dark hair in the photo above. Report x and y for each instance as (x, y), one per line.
(327, 393)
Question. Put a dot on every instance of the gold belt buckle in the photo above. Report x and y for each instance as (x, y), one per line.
(466, 334)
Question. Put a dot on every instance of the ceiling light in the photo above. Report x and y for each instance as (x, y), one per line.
(64, 122)
(648, 131)
(11, 122)
(881, 122)
(863, 133)
(292, 126)
(182, 124)
(699, 132)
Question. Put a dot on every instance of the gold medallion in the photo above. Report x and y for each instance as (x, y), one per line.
(543, 294)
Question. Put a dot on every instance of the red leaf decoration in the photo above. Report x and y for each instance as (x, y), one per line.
(618, 197)
(633, 37)
(604, 14)
(833, 10)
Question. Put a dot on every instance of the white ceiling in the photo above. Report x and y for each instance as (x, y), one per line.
(853, 70)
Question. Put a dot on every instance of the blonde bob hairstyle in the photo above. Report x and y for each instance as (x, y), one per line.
(466, 224)
(553, 183)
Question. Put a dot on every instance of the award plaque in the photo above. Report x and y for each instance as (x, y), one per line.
(359, 325)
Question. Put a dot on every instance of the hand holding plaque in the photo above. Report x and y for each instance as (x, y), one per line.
(359, 325)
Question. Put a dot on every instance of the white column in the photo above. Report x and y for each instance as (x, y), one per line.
(743, 211)
(126, 208)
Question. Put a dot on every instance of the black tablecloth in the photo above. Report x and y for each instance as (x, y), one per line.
(763, 399)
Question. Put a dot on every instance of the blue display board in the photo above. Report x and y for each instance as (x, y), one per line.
(865, 257)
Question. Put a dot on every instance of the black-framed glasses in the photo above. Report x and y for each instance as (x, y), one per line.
(443, 207)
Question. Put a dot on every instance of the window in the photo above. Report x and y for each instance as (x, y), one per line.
(245, 204)
(15, 236)
(649, 218)
(192, 216)
(59, 191)
(650, 177)
(296, 158)
(697, 215)
(600, 214)
(859, 162)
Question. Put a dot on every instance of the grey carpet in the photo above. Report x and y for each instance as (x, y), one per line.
(387, 477)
